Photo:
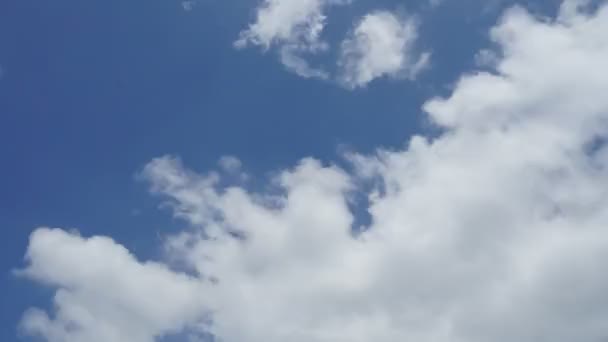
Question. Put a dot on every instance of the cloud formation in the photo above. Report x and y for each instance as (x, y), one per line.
(381, 44)
(105, 294)
(494, 231)
(295, 27)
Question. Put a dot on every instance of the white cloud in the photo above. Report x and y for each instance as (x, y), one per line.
(493, 232)
(281, 21)
(295, 27)
(105, 294)
(381, 44)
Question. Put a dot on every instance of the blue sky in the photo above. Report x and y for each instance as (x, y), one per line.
(91, 92)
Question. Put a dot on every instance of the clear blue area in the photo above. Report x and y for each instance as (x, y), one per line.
(92, 90)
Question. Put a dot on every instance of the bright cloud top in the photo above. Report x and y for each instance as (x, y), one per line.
(494, 231)
(380, 45)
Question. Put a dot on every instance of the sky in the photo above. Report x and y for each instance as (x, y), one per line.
(303, 170)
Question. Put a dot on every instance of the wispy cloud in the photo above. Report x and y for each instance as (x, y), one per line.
(294, 27)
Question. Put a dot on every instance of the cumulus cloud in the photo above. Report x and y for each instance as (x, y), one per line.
(494, 231)
(105, 294)
(381, 44)
(295, 27)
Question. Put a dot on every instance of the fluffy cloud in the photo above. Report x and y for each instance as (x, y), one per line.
(380, 45)
(105, 294)
(295, 26)
(494, 231)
